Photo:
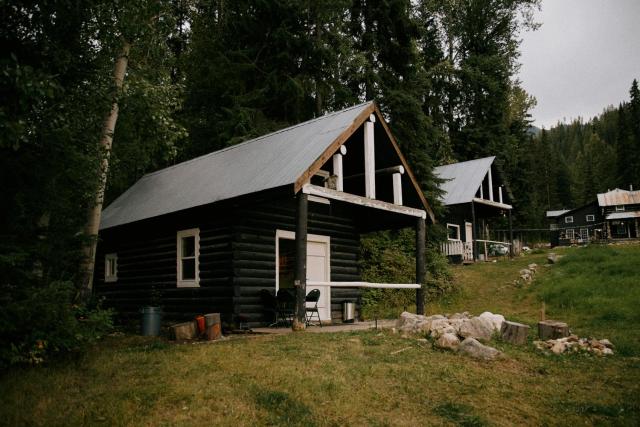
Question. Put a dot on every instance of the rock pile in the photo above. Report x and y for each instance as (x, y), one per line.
(527, 274)
(573, 344)
(459, 331)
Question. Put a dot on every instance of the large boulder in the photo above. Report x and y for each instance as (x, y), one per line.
(481, 328)
(496, 319)
(553, 258)
(439, 327)
(449, 341)
(475, 349)
(416, 323)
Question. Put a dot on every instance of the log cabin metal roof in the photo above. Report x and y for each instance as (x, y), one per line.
(266, 162)
(623, 215)
(462, 179)
(618, 197)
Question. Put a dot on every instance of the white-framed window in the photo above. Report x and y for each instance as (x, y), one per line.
(620, 208)
(188, 251)
(453, 231)
(111, 267)
(568, 219)
(591, 218)
(553, 226)
(570, 233)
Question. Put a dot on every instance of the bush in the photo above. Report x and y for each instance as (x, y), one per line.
(39, 322)
(389, 257)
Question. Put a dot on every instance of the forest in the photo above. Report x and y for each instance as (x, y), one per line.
(199, 75)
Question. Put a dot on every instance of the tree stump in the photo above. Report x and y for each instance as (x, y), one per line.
(183, 331)
(552, 329)
(515, 333)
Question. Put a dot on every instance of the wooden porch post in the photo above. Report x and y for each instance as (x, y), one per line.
(300, 277)
(510, 235)
(421, 271)
(474, 231)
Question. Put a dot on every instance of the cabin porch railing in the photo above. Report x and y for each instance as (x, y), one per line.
(459, 248)
(365, 285)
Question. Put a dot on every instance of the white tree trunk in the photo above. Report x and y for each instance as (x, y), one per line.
(95, 209)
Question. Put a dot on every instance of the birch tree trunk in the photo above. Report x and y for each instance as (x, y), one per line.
(95, 209)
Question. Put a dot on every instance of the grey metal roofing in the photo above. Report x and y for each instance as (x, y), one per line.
(618, 197)
(555, 214)
(623, 215)
(462, 179)
(269, 161)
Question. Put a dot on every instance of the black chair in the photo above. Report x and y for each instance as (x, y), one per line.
(313, 297)
(269, 306)
(286, 305)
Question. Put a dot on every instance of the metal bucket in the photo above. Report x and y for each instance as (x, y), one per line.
(151, 321)
(348, 312)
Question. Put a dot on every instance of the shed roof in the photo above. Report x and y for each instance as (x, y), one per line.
(462, 179)
(618, 197)
(274, 160)
(555, 214)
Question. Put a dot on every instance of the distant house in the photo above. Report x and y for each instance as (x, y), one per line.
(474, 193)
(284, 210)
(614, 215)
(621, 212)
(575, 226)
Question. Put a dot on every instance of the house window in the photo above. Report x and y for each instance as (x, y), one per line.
(453, 231)
(584, 234)
(553, 226)
(188, 251)
(111, 267)
(568, 219)
(570, 233)
(591, 218)
(620, 208)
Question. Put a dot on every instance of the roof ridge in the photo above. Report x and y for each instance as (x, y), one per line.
(467, 161)
(258, 138)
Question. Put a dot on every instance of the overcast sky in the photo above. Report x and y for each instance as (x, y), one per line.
(582, 59)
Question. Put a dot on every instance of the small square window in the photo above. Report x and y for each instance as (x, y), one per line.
(591, 218)
(570, 234)
(568, 219)
(188, 252)
(620, 208)
(553, 226)
(111, 267)
(453, 231)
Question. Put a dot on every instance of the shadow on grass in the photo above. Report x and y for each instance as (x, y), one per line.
(460, 414)
(283, 409)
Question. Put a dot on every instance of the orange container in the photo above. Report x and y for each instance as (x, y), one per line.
(200, 321)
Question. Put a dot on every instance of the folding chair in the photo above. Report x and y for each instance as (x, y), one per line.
(313, 297)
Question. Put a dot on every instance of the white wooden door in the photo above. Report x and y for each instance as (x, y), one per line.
(318, 270)
(468, 242)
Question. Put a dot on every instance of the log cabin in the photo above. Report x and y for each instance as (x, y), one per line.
(284, 210)
(474, 193)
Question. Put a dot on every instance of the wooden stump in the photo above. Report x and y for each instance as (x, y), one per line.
(552, 329)
(515, 333)
(183, 331)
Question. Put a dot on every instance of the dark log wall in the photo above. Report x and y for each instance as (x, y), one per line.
(147, 264)
(254, 249)
(237, 258)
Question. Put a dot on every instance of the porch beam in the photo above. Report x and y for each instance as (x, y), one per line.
(362, 201)
(369, 160)
(492, 203)
(384, 171)
(510, 235)
(365, 285)
(337, 171)
(490, 186)
(300, 275)
(421, 271)
(397, 189)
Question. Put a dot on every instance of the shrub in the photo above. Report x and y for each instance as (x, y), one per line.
(39, 322)
(389, 257)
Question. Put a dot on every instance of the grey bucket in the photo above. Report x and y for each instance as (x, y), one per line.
(151, 319)
(348, 312)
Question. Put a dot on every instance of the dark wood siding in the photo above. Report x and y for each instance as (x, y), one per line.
(254, 249)
(147, 264)
(237, 258)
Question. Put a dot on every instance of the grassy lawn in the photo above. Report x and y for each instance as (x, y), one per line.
(362, 378)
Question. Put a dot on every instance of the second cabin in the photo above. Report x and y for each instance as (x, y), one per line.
(284, 210)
